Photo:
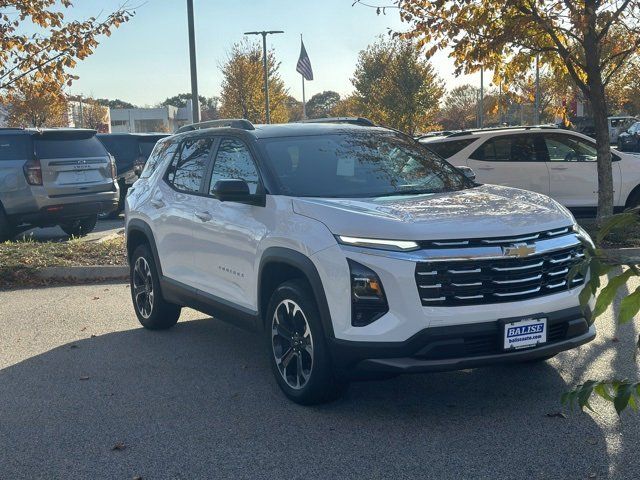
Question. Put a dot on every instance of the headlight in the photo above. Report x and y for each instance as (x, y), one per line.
(396, 245)
(583, 235)
(368, 301)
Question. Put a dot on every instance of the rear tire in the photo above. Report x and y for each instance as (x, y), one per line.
(152, 310)
(298, 353)
(634, 199)
(80, 227)
(7, 231)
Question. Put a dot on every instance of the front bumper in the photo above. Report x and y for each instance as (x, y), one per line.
(458, 347)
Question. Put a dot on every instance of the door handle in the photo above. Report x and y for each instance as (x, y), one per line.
(558, 168)
(486, 168)
(156, 203)
(204, 216)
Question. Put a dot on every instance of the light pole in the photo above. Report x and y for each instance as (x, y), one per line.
(195, 102)
(536, 113)
(265, 67)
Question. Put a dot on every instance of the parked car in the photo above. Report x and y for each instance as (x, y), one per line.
(629, 141)
(131, 151)
(354, 250)
(54, 177)
(618, 125)
(555, 162)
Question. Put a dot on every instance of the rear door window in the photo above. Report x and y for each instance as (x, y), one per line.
(508, 148)
(450, 148)
(47, 148)
(188, 167)
(13, 147)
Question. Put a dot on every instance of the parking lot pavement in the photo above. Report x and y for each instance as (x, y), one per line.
(104, 228)
(86, 393)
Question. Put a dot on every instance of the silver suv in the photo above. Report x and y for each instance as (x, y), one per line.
(54, 177)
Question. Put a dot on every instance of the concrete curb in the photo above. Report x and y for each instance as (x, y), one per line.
(101, 272)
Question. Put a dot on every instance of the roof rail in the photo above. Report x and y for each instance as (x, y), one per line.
(462, 133)
(240, 123)
(363, 122)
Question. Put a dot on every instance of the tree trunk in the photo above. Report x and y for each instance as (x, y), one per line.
(603, 146)
(596, 95)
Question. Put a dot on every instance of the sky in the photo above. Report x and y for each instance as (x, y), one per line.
(146, 60)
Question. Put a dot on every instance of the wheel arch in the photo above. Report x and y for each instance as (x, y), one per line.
(139, 233)
(633, 194)
(279, 264)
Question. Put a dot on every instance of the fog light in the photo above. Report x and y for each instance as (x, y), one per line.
(368, 301)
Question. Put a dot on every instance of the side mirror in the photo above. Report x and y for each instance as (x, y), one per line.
(468, 172)
(236, 191)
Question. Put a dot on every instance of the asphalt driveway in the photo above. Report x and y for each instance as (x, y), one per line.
(86, 393)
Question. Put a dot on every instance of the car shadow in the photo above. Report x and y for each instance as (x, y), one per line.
(200, 398)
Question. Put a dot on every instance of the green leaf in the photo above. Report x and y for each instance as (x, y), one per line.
(629, 307)
(584, 394)
(615, 222)
(602, 390)
(608, 293)
(585, 296)
(621, 400)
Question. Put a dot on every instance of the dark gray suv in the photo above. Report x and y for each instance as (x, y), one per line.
(54, 177)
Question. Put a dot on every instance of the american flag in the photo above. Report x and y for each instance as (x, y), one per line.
(304, 64)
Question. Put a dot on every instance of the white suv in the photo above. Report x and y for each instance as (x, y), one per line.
(556, 162)
(354, 249)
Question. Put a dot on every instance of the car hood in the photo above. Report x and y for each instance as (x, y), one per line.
(480, 212)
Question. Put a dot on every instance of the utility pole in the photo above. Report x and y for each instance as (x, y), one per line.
(265, 67)
(195, 99)
(536, 113)
(481, 108)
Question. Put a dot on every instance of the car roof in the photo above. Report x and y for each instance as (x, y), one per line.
(136, 135)
(47, 131)
(483, 132)
(263, 131)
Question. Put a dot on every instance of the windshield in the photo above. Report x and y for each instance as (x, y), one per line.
(359, 165)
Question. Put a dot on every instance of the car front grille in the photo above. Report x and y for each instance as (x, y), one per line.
(471, 282)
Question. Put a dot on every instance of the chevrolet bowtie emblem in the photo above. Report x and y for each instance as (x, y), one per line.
(519, 250)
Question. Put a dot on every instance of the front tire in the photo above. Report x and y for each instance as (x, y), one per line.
(80, 227)
(152, 310)
(297, 349)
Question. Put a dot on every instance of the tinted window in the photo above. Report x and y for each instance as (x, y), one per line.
(123, 147)
(69, 148)
(188, 167)
(233, 161)
(146, 147)
(161, 152)
(13, 147)
(566, 148)
(359, 165)
(509, 148)
(450, 148)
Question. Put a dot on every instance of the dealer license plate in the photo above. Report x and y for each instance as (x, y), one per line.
(525, 333)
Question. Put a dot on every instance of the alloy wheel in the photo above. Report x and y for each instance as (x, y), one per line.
(292, 344)
(143, 287)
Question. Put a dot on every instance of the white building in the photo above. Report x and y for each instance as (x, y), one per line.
(145, 120)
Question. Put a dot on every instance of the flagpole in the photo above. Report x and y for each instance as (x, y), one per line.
(304, 101)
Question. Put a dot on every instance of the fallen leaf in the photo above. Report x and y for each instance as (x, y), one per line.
(93, 336)
(83, 329)
(137, 477)
(593, 475)
(556, 415)
(119, 446)
(84, 378)
(96, 298)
